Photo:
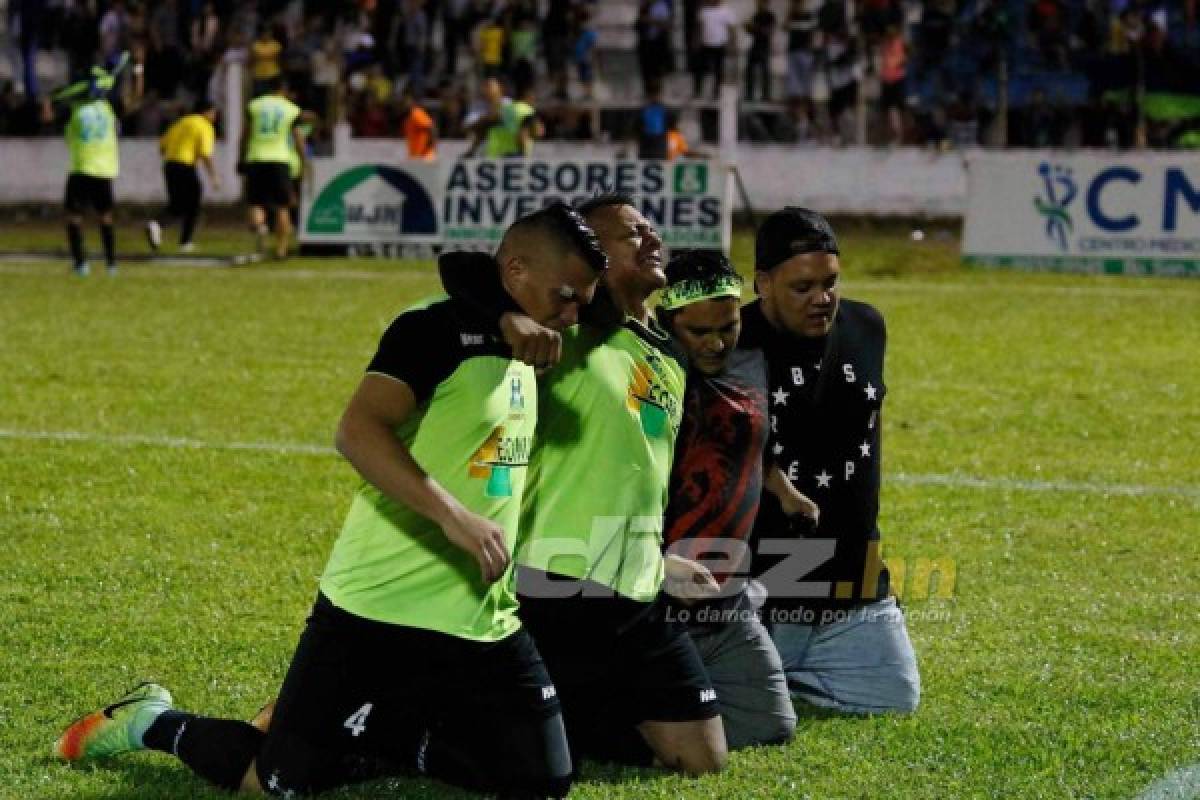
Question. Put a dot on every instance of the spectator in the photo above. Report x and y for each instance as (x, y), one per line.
(453, 109)
(583, 53)
(371, 120)
(484, 114)
(651, 127)
(297, 59)
(933, 37)
(325, 67)
(677, 144)
(1044, 124)
(165, 57)
(378, 84)
(989, 31)
(761, 28)
(490, 48)
(653, 27)
(877, 16)
(264, 59)
(841, 72)
(717, 28)
(454, 33)
(831, 18)
(25, 16)
(523, 51)
(205, 36)
(418, 128)
(962, 122)
(1047, 25)
(556, 44)
(893, 67)
(416, 32)
(10, 104)
(114, 33)
(801, 28)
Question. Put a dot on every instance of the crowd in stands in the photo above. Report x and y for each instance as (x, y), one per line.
(1098, 73)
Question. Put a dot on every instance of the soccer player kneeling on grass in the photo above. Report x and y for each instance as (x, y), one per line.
(185, 146)
(414, 659)
(633, 688)
(719, 473)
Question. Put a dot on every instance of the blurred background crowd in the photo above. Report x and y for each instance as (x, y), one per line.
(938, 73)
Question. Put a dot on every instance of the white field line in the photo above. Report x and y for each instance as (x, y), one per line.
(172, 442)
(1182, 784)
(1019, 485)
(903, 478)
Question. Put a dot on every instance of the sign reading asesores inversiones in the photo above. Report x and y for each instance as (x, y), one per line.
(474, 201)
(482, 198)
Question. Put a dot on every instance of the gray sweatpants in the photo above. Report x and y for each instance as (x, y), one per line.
(745, 669)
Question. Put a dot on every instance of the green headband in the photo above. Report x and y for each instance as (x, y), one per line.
(691, 291)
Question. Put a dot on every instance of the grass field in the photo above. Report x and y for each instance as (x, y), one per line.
(168, 495)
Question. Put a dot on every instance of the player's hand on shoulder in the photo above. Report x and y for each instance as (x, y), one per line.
(688, 581)
(532, 343)
(482, 538)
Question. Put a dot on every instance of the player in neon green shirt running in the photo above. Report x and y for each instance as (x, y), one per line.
(270, 141)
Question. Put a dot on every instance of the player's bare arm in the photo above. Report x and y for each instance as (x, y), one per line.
(365, 436)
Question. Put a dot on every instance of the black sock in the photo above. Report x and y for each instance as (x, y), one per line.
(110, 244)
(189, 226)
(75, 241)
(218, 750)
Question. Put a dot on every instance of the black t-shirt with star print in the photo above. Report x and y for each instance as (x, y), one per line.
(825, 400)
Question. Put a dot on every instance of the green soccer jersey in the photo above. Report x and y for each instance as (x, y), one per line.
(295, 162)
(270, 133)
(92, 139)
(472, 432)
(609, 414)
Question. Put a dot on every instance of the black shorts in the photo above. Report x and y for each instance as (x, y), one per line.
(183, 189)
(363, 699)
(268, 184)
(87, 191)
(891, 95)
(616, 662)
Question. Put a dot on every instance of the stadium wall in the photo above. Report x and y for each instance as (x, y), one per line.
(868, 181)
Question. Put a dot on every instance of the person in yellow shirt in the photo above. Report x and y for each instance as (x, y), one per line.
(264, 59)
(187, 145)
(490, 45)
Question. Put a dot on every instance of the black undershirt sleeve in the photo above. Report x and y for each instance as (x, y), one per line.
(419, 349)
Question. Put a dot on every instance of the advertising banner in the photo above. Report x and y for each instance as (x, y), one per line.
(468, 204)
(355, 203)
(1096, 212)
(1110, 213)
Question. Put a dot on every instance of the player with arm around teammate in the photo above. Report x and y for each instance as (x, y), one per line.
(413, 658)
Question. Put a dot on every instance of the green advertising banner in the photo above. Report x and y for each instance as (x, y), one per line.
(468, 204)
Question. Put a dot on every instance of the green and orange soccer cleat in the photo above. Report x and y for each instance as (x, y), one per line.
(116, 728)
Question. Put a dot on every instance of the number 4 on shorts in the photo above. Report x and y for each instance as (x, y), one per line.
(357, 722)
